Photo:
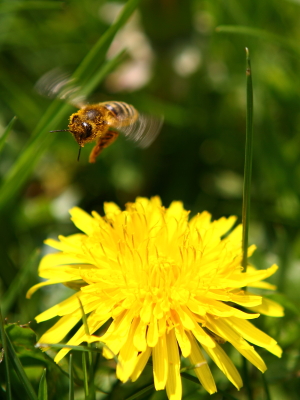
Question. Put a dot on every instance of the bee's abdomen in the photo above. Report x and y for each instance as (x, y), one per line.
(123, 111)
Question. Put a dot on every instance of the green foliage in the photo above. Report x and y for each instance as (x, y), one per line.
(181, 59)
(43, 390)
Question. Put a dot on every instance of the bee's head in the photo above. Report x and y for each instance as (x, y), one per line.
(81, 130)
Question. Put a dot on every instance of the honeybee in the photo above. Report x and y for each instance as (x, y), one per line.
(100, 122)
(103, 122)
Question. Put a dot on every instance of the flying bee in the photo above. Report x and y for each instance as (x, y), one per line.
(100, 122)
(103, 122)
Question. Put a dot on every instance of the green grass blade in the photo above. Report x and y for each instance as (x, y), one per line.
(246, 379)
(18, 367)
(196, 380)
(89, 65)
(266, 387)
(260, 34)
(85, 376)
(99, 75)
(43, 391)
(71, 378)
(141, 392)
(86, 329)
(68, 346)
(6, 133)
(247, 188)
(248, 161)
(4, 344)
(89, 383)
(19, 283)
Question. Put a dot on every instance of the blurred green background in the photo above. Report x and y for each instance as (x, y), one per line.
(179, 64)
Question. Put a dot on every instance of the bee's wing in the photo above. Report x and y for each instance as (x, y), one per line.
(58, 84)
(144, 130)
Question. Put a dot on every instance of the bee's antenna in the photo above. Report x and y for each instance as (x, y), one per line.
(79, 153)
(61, 130)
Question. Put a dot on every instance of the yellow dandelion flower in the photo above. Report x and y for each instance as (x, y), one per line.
(169, 286)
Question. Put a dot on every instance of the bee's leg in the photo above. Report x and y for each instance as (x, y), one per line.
(102, 143)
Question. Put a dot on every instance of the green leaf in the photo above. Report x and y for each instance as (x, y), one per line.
(18, 367)
(24, 340)
(43, 391)
(6, 133)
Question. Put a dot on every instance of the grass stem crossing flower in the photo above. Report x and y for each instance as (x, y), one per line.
(167, 286)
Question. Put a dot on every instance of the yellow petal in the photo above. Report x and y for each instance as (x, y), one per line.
(128, 355)
(70, 306)
(183, 341)
(160, 363)
(250, 332)
(80, 336)
(50, 263)
(269, 307)
(218, 355)
(174, 385)
(83, 221)
(68, 244)
(111, 209)
(59, 330)
(221, 328)
(152, 334)
(141, 362)
(139, 338)
(34, 288)
(201, 367)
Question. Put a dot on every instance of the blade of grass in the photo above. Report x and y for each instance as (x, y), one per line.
(260, 34)
(6, 133)
(246, 379)
(18, 367)
(247, 188)
(79, 348)
(84, 360)
(248, 161)
(85, 376)
(96, 56)
(68, 346)
(40, 140)
(196, 380)
(86, 329)
(43, 391)
(89, 389)
(141, 392)
(4, 344)
(266, 387)
(71, 378)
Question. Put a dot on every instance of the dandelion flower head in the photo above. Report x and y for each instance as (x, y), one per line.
(167, 286)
